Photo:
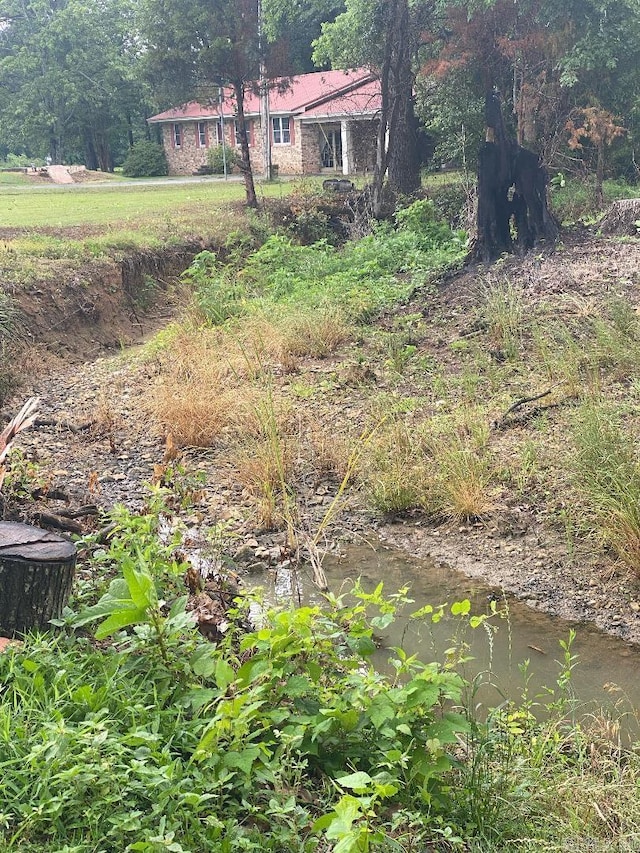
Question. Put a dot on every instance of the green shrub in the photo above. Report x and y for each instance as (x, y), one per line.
(162, 740)
(361, 278)
(145, 160)
(218, 155)
(452, 203)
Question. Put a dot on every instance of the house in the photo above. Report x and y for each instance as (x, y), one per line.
(325, 121)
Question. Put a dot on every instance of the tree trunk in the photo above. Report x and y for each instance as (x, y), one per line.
(103, 151)
(383, 124)
(36, 573)
(90, 157)
(512, 192)
(621, 218)
(600, 175)
(404, 163)
(245, 163)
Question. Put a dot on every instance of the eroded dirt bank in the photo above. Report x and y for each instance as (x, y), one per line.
(102, 306)
(519, 546)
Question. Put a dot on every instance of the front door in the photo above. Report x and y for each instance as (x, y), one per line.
(332, 150)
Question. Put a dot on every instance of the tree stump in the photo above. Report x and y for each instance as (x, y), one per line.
(36, 573)
(512, 192)
(622, 218)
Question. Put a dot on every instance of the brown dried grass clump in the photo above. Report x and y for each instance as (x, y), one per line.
(202, 394)
(316, 333)
(279, 342)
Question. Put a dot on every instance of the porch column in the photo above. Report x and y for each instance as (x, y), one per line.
(345, 138)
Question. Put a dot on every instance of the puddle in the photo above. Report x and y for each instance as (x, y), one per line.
(607, 672)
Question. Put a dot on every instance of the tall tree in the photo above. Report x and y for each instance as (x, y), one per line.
(68, 77)
(196, 46)
(385, 36)
(547, 58)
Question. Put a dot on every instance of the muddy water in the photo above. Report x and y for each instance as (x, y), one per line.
(607, 674)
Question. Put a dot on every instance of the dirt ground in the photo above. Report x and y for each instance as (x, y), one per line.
(111, 448)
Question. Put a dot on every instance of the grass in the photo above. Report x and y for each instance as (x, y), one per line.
(125, 206)
(576, 201)
(607, 471)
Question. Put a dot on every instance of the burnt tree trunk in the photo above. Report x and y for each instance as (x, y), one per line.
(36, 573)
(512, 193)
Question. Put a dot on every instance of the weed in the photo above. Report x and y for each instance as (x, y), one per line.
(265, 464)
(318, 333)
(441, 466)
(526, 473)
(502, 312)
(400, 352)
(23, 479)
(607, 471)
(463, 478)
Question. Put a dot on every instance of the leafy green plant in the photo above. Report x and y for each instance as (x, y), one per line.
(144, 160)
(359, 279)
(219, 158)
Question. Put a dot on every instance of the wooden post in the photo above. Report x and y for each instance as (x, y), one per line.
(36, 573)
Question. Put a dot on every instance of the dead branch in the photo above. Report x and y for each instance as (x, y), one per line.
(57, 424)
(50, 520)
(501, 421)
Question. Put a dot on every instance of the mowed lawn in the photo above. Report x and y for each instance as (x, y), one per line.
(121, 205)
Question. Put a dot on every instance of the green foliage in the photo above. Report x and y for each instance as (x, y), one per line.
(70, 78)
(218, 292)
(452, 202)
(162, 738)
(362, 277)
(23, 478)
(573, 200)
(145, 160)
(279, 737)
(310, 214)
(219, 157)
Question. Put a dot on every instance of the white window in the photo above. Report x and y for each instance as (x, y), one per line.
(219, 132)
(177, 136)
(202, 134)
(236, 130)
(281, 130)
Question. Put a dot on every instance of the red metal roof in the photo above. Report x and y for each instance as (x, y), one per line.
(321, 93)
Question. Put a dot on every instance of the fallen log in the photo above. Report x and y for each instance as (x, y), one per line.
(36, 573)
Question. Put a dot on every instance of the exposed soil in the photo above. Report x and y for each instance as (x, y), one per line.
(103, 306)
(519, 547)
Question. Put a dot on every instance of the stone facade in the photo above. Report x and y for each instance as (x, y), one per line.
(301, 156)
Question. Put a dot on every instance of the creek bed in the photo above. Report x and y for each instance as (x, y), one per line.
(606, 675)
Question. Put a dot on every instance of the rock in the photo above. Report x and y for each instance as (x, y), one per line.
(244, 554)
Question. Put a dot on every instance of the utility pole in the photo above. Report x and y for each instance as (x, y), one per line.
(265, 120)
(224, 145)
